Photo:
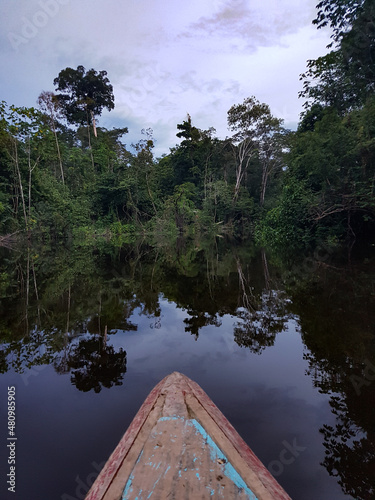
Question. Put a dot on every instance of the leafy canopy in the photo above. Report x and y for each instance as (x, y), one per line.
(83, 93)
(338, 14)
(345, 77)
(251, 119)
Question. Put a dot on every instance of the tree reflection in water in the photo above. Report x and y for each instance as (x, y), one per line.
(94, 364)
(263, 315)
(336, 307)
(52, 314)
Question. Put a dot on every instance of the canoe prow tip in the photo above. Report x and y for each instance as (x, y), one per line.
(174, 376)
(179, 420)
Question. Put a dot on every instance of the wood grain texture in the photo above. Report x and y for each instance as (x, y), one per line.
(180, 446)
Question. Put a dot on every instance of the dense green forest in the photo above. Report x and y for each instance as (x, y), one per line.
(62, 174)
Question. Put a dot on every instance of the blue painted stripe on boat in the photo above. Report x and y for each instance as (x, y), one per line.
(128, 487)
(215, 454)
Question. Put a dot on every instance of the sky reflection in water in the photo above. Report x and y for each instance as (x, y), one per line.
(259, 381)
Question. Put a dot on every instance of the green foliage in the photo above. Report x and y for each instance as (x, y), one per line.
(180, 206)
(287, 225)
(345, 77)
(289, 188)
(258, 141)
(83, 94)
(338, 14)
(251, 118)
(65, 179)
(328, 191)
(218, 202)
(117, 228)
(55, 209)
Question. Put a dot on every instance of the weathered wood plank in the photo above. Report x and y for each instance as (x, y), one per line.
(179, 460)
(180, 446)
(106, 476)
(271, 486)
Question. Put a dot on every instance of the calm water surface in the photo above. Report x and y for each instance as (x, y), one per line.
(284, 348)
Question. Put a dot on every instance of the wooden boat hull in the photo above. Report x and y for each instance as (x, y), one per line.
(180, 446)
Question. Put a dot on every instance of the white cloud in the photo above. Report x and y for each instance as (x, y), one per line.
(163, 58)
(256, 24)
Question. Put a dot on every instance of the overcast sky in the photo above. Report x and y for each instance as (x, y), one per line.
(164, 58)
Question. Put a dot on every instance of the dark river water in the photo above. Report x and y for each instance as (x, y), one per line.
(283, 346)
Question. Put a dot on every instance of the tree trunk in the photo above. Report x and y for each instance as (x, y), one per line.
(30, 172)
(58, 152)
(264, 185)
(89, 137)
(243, 155)
(94, 124)
(16, 164)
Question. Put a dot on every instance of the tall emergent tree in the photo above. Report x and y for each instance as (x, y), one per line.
(255, 133)
(84, 95)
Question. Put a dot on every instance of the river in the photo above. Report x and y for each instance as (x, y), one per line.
(284, 346)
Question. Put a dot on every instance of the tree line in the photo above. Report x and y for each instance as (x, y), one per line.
(61, 172)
